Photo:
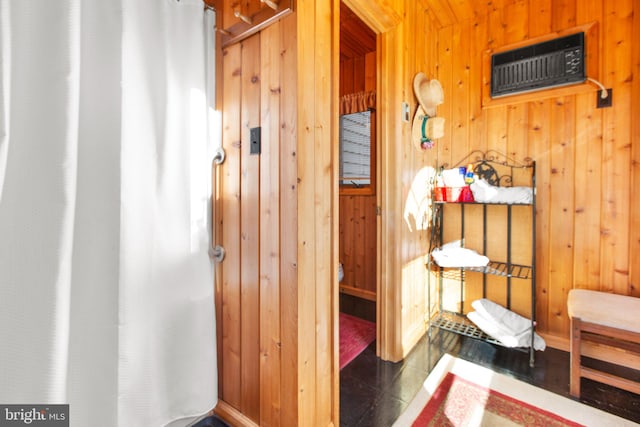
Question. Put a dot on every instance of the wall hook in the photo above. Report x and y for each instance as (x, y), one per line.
(242, 17)
(271, 3)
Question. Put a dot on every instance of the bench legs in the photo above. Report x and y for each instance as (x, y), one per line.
(574, 380)
(612, 337)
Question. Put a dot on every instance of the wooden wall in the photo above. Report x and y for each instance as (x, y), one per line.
(281, 340)
(587, 158)
(404, 176)
(257, 293)
(317, 109)
(358, 245)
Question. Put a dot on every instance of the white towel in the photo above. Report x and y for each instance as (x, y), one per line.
(452, 255)
(511, 329)
(483, 192)
(453, 178)
(513, 322)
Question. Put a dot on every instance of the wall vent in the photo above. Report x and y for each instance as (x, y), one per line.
(543, 65)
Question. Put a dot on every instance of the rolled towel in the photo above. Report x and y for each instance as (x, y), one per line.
(504, 336)
(496, 313)
(511, 329)
(494, 330)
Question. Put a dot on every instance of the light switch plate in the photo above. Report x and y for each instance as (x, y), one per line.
(254, 141)
(406, 112)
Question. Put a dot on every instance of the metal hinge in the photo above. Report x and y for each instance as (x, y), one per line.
(378, 211)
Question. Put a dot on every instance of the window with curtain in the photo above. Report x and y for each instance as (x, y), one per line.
(357, 142)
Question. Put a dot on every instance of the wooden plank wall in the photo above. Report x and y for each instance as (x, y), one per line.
(358, 212)
(257, 204)
(405, 173)
(587, 174)
(587, 158)
(588, 177)
(317, 107)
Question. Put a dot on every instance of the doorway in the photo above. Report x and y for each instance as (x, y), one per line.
(358, 195)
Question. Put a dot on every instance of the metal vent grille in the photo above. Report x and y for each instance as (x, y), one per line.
(552, 63)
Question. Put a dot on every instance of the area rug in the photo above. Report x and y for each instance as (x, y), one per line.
(355, 335)
(460, 393)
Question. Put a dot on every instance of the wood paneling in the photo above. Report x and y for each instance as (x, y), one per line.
(586, 220)
(229, 303)
(358, 245)
(258, 198)
(380, 16)
(587, 181)
(250, 221)
(634, 227)
(356, 39)
(586, 211)
(289, 221)
(270, 264)
(318, 53)
(617, 70)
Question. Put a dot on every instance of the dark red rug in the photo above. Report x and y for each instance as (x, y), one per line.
(355, 335)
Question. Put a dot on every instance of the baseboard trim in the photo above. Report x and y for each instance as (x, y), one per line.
(232, 416)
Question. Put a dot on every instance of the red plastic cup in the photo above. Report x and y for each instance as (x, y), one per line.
(453, 194)
(466, 195)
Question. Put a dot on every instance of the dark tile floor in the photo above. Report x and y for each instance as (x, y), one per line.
(374, 392)
(211, 421)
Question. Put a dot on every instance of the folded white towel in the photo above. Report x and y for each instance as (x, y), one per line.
(511, 329)
(513, 322)
(505, 337)
(455, 256)
(483, 192)
(453, 178)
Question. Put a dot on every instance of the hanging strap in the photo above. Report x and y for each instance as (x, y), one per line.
(425, 141)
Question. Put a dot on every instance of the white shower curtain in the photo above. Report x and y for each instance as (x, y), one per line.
(106, 287)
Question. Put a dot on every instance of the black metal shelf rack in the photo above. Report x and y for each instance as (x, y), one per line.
(486, 166)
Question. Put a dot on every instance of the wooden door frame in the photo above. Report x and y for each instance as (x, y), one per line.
(382, 18)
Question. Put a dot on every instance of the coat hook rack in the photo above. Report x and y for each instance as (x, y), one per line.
(242, 17)
(250, 19)
(271, 3)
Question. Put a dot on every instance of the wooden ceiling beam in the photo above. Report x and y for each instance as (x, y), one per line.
(380, 15)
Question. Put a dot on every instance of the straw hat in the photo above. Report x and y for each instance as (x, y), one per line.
(428, 92)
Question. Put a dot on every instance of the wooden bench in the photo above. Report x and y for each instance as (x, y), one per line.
(606, 319)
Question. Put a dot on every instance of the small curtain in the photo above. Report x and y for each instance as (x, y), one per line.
(357, 102)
